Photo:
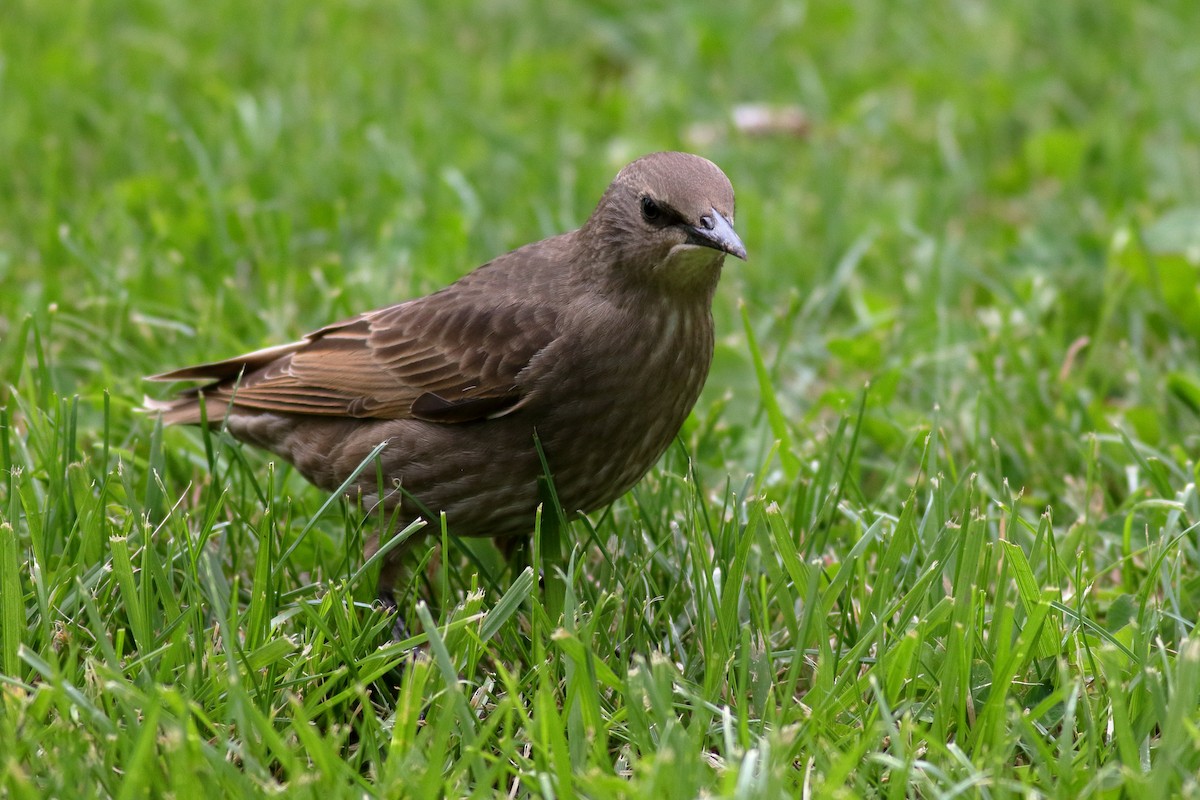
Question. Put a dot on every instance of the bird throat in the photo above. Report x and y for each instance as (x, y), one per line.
(689, 266)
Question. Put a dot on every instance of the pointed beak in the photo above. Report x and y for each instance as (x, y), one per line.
(717, 232)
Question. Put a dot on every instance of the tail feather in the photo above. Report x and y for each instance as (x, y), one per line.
(231, 368)
(183, 410)
(222, 377)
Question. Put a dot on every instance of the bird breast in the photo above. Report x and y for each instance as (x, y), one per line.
(628, 391)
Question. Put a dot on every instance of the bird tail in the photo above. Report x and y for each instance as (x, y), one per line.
(223, 377)
(183, 410)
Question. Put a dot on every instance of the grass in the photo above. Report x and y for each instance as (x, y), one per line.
(931, 531)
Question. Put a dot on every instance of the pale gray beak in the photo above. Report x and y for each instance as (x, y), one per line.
(716, 232)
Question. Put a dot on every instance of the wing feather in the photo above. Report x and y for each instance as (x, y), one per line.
(454, 356)
(433, 359)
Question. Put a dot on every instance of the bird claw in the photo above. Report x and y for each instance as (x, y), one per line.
(400, 631)
(387, 602)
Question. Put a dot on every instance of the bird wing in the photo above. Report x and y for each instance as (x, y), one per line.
(437, 358)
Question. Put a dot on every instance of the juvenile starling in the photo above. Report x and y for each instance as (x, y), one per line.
(597, 341)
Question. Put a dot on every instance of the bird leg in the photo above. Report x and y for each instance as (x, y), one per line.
(389, 578)
(515, 550)
(387, 601)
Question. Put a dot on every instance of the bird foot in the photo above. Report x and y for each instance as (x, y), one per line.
(400, 631)
(387, 601)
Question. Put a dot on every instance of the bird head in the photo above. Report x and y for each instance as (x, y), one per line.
(668, 219)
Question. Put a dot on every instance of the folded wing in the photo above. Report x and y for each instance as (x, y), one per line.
(429, 359)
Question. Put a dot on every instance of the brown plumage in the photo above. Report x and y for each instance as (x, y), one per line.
(597, 340)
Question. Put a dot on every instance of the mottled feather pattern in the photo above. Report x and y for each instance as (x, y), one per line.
(597, 342)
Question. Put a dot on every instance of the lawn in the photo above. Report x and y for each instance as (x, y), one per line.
(932, 530)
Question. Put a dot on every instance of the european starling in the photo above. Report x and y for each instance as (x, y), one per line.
(596, 341)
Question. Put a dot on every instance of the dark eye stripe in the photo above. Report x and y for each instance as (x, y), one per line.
(659, 214)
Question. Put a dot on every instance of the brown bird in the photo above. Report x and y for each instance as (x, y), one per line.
(597, 341)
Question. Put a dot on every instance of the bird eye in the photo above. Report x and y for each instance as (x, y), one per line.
(651, 212)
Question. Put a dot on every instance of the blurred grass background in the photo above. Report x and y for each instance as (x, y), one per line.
(991, 216)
